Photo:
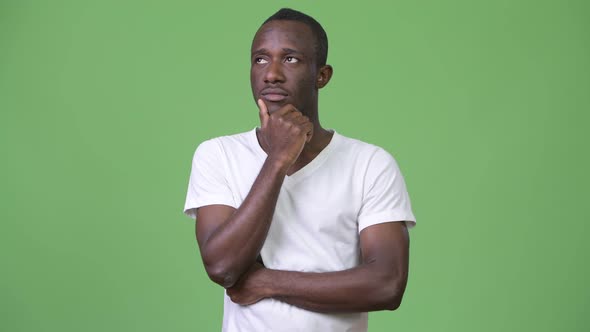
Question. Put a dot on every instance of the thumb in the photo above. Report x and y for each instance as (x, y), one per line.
(264, 115)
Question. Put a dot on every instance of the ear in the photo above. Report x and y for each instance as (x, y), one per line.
(324, 76)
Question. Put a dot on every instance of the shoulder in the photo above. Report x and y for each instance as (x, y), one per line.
(363, 151)
(230, 143)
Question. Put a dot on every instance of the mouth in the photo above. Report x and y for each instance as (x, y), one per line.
(274, 94)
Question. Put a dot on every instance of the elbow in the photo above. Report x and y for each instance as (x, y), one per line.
(221, 271)
(221, 275)
(391, 293)
(392, 300)
(220, 268)
(393, 303)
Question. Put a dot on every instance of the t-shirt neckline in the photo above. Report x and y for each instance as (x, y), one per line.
(306, 170)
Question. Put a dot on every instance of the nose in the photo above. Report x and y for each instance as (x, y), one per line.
(274, 73)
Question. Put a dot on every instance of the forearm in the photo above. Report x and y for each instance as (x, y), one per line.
(232, 248)
(364, 288)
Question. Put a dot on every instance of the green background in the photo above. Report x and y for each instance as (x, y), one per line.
(484, 104)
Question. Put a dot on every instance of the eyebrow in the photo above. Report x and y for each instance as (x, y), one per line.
(286, 50)
(290, 50)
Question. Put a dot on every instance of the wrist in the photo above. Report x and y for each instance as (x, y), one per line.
(267, 283)
(278, 164)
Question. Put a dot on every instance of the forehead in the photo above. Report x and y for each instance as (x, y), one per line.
(281, 34)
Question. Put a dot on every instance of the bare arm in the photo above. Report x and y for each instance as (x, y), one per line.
(231, 239)
(377, 284)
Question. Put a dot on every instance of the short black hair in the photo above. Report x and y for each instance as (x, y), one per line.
(321, 47)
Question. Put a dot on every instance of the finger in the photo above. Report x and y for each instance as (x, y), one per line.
(293, 116)
(285, 110)
(301, 120)
(264, 115)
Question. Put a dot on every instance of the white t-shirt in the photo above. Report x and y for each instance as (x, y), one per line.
(321, 210)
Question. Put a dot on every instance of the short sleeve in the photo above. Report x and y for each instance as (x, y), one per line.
(207, 183)
(385, 197)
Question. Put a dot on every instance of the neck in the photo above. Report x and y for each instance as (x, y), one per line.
(319, 140)
(321, 137)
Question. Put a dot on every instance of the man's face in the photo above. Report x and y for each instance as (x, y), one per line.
(284, 65)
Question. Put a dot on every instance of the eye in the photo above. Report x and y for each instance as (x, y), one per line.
(291, 59)
(260, 60)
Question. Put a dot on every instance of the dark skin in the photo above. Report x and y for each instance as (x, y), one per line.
(284, 64)
(285, 79)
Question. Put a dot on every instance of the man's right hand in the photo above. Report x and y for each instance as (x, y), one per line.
(284, 133)
(230, 239)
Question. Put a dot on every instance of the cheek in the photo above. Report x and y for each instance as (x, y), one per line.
(253, 76)
(306, 82)
(307, 85)
(255, 80)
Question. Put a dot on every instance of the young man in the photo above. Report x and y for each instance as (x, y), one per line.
(305, 228)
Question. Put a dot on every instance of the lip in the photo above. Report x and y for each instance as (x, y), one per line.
(273, 97)
(274, 94)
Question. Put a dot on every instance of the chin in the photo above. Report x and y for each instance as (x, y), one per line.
(273, 107)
